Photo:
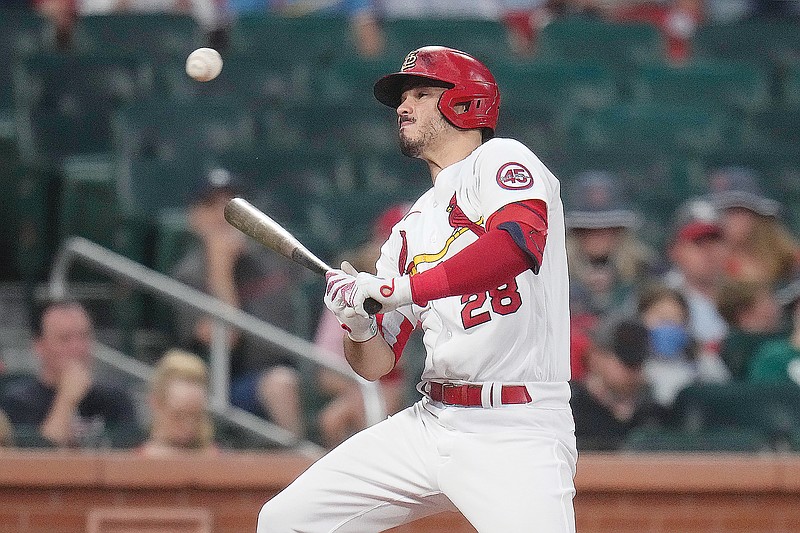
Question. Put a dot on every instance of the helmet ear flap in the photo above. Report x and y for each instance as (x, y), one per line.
(481, 104)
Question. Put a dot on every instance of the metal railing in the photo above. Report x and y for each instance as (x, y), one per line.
(78, 249)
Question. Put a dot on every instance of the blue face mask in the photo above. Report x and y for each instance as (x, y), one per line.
(669, 340)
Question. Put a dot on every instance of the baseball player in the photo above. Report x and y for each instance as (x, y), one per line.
(479, 263)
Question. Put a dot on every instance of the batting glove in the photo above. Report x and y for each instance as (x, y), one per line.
(339, 288)
(391, 293)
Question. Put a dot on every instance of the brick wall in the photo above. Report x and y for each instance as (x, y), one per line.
(62, 492)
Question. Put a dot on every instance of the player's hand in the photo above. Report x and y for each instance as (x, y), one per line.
(390, 293)
(339, 290)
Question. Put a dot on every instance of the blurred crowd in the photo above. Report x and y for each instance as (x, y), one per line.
(717, 303)
(676, 19)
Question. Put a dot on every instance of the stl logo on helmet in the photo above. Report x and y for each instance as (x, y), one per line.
(410, 61)
(514, 176)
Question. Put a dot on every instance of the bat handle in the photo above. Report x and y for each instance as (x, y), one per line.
(372, 306)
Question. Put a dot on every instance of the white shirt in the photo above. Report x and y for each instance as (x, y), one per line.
(519, 333)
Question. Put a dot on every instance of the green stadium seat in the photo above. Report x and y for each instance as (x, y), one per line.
(65, 102)
(351, 79)
(331, 127)
(620, 46)
(151, 35)
(147, 186)
(308, 41)
(761, 42)
(174, 130)
(734, 86)
(773, 409)
(648, 130)
(791, 86)
(253, 81)
(484, 39)
(22, 32)
(666, 440)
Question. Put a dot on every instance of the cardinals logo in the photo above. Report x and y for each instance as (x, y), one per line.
(460, 223)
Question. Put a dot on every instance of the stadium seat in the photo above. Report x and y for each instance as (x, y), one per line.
(484, 39)
(734, 86)
(171, 130)
(620, 46)
(351, 79)
(65, 102)
(773, 409)
(253, 81)
(152, 36)
(761, 42)
(22, 32)
(647, 439)
(791, 86)
(306, 41)
(330, 127)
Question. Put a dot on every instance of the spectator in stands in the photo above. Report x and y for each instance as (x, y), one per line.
(696, 255)
(179, 407)
(65, 404)
(759, 247)
(344, 414)
(607, 261)
(613, 398)
(227, 265)
(677, 20)
(6, 432)
(779, 360)
(205, 12)
(753, 315)
(674, 360)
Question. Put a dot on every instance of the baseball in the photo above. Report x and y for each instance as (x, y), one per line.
(204, 64)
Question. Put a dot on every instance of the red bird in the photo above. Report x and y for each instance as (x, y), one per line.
(458, 219)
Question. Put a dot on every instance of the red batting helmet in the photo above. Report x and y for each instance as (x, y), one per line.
(469, 82)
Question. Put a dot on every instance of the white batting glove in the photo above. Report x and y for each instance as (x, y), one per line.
(391, 293)
(339, 287)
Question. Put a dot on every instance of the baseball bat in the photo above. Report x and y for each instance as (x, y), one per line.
(254, 223)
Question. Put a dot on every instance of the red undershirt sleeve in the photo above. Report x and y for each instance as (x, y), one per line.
(514, 242)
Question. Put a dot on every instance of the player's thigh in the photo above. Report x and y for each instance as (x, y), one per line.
(377, 479)
(512, 481)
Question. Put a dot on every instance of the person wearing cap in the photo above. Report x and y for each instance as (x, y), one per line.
(759, 246)
(225, 264)
(778, 360)
(607, 261)
(614, 397)
(696, 254)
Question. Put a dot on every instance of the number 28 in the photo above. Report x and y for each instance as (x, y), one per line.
(504, 300)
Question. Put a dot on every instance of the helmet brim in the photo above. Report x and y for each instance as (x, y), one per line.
(388, 89)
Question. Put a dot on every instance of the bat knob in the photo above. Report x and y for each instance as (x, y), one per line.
(372, 306)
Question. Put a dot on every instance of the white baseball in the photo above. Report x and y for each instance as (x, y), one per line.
(204, 64)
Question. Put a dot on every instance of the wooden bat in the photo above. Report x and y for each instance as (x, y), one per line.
(254, 223)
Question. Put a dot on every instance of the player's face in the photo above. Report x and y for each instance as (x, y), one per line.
(420, 121)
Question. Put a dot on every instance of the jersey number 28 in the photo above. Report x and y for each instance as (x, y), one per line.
(504, 300)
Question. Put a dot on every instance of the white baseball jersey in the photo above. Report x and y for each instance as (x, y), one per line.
(505, 467)
(516, 333)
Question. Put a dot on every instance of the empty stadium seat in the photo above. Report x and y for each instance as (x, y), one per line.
(620, 46)
(64, 102)
(484, 39)
(762, 42)
(252, 81)
(148, 35)
(647, 439)
(736, 86)
(773, 409)
(171, 130)
(304, 41)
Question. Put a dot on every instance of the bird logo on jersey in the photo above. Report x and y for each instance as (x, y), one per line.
(460, 223)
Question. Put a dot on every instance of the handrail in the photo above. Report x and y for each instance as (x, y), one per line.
(165, 287)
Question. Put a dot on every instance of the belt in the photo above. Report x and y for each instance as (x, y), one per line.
(469, 395)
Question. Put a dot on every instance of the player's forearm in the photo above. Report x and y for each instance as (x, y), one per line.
(371, 359)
